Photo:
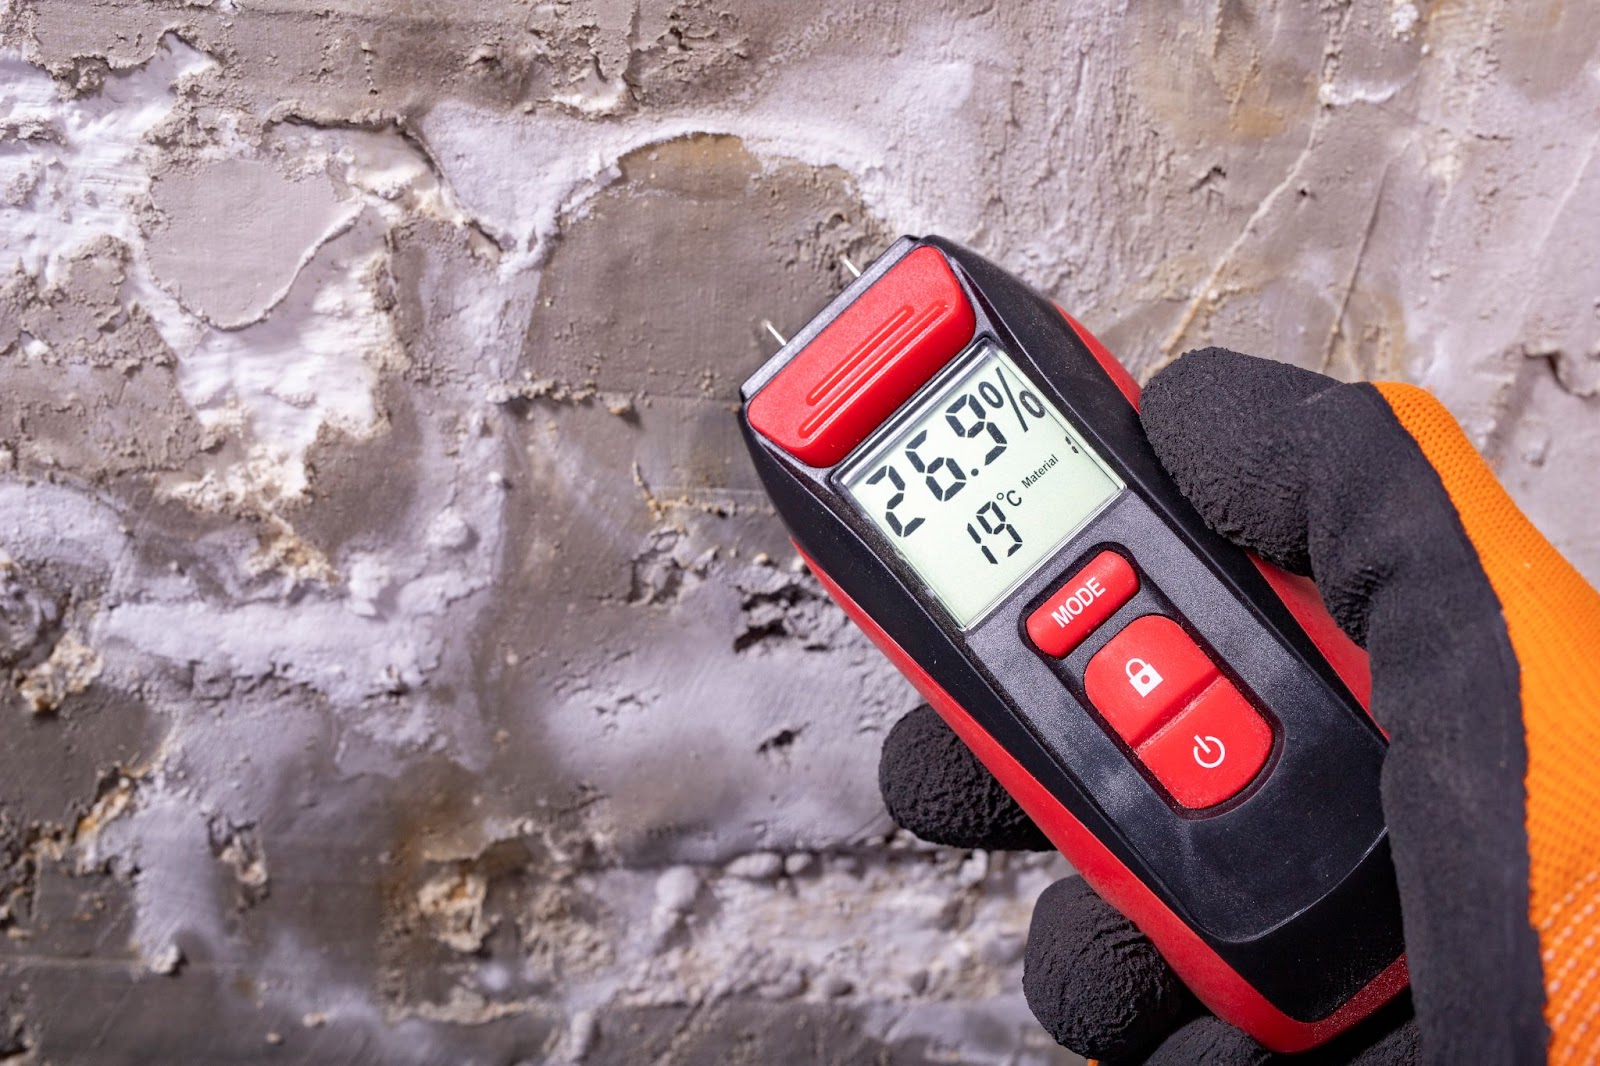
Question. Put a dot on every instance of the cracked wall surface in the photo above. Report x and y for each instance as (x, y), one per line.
(398, 659)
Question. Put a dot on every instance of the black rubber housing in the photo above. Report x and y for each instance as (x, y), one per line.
(1290, 882)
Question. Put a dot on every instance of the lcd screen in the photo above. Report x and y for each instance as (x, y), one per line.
(979, 484)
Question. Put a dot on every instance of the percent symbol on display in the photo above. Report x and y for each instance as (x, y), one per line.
(1022, 422)
(1030, 403)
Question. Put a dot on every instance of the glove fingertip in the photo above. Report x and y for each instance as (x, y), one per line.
(935, 787)
(1401, 1046)
(1092, 979)
(1209, 1039)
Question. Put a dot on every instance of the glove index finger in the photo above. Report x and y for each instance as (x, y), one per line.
(935, 787)
(1094, 982)
(1224, 426)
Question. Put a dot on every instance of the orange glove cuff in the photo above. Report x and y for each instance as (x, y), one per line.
(1552, 616)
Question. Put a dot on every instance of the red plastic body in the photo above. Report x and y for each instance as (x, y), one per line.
(867, 362)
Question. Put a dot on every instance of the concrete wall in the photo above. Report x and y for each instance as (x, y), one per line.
(400, 663)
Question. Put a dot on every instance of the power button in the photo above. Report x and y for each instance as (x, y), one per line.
(1212, 750)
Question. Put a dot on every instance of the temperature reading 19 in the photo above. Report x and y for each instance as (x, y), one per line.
(938, 457)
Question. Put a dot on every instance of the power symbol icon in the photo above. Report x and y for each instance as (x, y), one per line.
(1204, 746)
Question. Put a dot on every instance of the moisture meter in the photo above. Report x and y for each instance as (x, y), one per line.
(962, 466)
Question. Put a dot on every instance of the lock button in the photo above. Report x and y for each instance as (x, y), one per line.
(1146, 674)
(1142, 676)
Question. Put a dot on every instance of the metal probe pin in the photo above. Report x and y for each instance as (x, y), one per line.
(766, 323)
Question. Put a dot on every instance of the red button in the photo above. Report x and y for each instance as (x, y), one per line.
(1212, 750)
(1088, 598)
(1146, 674)
(866, 362)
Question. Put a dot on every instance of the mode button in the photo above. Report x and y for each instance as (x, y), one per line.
(1078, 607)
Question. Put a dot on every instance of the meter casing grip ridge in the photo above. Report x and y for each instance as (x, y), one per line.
(1278, 908)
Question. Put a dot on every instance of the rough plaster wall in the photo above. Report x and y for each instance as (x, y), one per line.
(401, 663)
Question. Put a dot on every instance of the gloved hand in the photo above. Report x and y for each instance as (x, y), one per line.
(1485, 674)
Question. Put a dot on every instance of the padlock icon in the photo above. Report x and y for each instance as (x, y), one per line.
(1142, 676)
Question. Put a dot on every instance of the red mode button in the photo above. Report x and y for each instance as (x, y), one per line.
(1088, 598)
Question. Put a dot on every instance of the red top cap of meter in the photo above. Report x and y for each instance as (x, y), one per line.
(882, 348)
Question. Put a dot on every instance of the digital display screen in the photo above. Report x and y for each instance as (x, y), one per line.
(980, 484)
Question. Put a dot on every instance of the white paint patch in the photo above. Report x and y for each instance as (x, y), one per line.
(166, 840)
(235, 234)
(79, 169)
(1403, 18)
(313, 364)
(1352, 91)
(85, 170)
(43, 522)
(299, 976)
(348, 659)
(380, 169)
(518, 175)
(916, 934)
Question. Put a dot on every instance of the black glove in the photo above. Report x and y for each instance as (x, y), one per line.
(1374, 492)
